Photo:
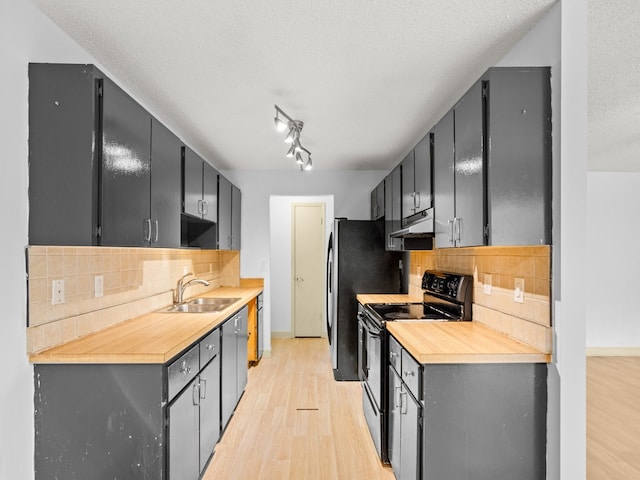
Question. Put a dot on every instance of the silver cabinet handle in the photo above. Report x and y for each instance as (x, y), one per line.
(450, 228)
(200, 206)
(205, 207)
(416, 203)
(203, 388)
(195, 394)
(409, 373)
(147, 236)
(184, 368)
(210, 346)
(458, 228)
(403, 403)
(392, 355)
(157, 232)
(397, 397)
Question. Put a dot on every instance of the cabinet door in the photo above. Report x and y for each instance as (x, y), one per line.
(229, 362)
(410, 445)
(377, 201)
(242, 337)
(519, 153)
(469, 168)
(126, 169)
(165, 186)
(63, 154)
(209, 193)
(236, 203)
(443, 186)
(422, 174)
(184, 424)
(192, 183)
(393, 444)
(393, 198)
(408, 190)
(209, 410)
(224, 213)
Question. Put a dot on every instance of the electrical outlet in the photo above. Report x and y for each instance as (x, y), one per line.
(57, 292)
(487, 284)
(518, 290)
(98, 285)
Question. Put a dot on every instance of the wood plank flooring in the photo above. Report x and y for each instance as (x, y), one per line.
(613, 418)
(295, 422)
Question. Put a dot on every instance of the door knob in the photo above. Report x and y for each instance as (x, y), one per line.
(299, 279)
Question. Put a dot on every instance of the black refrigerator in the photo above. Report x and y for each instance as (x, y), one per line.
(357, 262)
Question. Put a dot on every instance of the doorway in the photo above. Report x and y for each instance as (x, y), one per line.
(308, 249)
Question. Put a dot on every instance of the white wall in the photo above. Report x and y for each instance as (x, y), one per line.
(25, 36)
(613, 230)
(347, 195)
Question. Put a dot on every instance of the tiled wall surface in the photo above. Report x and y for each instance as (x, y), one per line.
(530, 321)
(135, 281)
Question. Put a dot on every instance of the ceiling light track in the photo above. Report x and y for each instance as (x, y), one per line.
(293, 137)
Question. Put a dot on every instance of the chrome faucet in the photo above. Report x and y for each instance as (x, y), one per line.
(181, 287)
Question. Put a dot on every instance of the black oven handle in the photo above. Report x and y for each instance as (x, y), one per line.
(366, 324)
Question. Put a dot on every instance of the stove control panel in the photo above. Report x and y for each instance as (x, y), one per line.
(443, 283)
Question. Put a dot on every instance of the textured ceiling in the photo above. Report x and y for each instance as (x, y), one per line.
(367, 77)
(614, 85)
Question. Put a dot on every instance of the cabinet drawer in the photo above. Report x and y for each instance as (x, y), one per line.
(394, 353)
(182, 370)
(411, 373)
(209, 347)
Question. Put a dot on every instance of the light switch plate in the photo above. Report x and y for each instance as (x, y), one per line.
(487, 284)
(57, 292)
(98, 285)
(518, 290)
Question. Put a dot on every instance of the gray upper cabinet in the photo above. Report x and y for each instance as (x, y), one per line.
(64, 154)
(97, 173)
(458, 169)
(519, 153)
(165, 187)
(416, 181)
(126, 170)
(229, 217)
(393, 209)
(200, 187)
(377, 202)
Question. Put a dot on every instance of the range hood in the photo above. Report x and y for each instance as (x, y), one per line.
(421, 225)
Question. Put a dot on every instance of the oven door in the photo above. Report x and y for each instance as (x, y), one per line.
(370, 357)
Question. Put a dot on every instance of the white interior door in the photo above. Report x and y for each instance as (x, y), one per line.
(308, 269)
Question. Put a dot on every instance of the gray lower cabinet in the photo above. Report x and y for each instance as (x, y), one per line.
(405, 415)
(453, 421)
(129, 421)
(234, 362)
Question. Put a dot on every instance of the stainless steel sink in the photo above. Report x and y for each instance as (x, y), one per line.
(213, 301)
(202, 305)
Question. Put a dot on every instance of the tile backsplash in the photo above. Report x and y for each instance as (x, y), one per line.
(529, 321)
(135, 281)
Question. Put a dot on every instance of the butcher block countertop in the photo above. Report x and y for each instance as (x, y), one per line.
(455, 342)
(461, 342)
(156, 337)
(387, 298)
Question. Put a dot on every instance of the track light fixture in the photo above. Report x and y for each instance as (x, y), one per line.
(284, 121)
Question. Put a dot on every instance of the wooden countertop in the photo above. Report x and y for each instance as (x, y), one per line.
(387, 298)
(462, 342)
(153, 338)
(455, 342)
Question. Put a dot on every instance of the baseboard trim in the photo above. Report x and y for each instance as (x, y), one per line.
(281, 334)
(613, 352)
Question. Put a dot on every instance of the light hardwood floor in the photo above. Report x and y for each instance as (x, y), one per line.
(295, 422)
(613, 418)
